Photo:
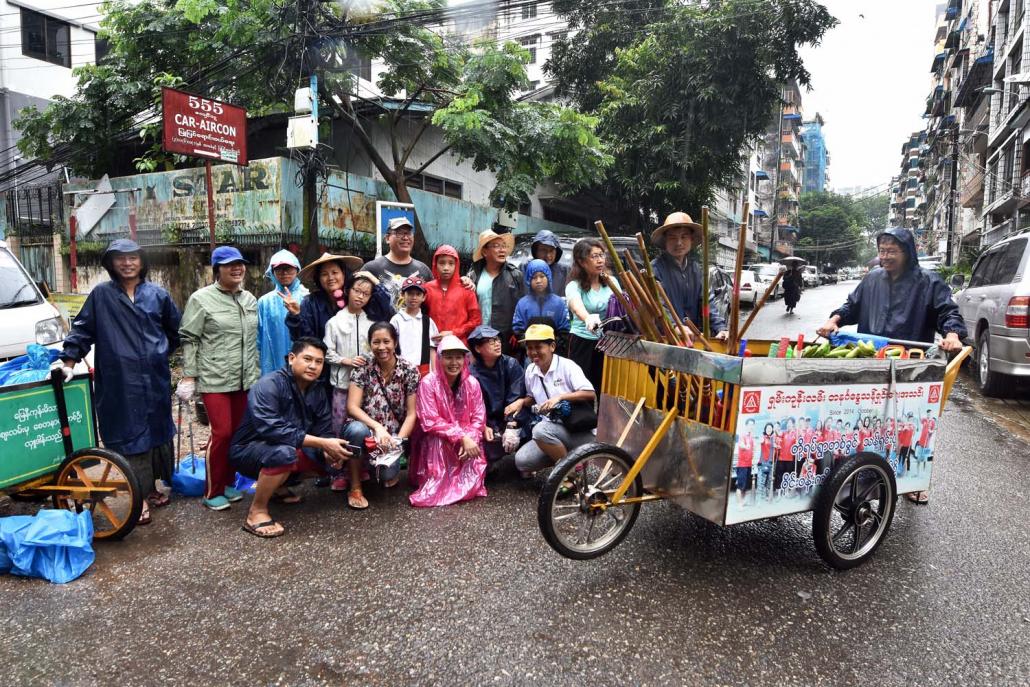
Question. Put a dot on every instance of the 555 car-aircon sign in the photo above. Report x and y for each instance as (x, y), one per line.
(204, 128)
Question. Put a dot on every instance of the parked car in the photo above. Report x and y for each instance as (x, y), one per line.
(766, 272)
(810, 275)
(996, 309)
(750, 287)
(26, 317)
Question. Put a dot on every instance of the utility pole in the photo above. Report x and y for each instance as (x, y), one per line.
(776, 184)
(951, 192)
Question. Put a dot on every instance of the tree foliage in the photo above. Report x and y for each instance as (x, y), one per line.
(680, 89)
(255, 53)
(834, 228)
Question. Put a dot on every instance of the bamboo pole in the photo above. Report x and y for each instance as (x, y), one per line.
(646, 257)
(616, 263)
(706, 326)
(738, 266)
(652, 300)
(648, 316)
(684, 323)
(771, 289)
(631, 311)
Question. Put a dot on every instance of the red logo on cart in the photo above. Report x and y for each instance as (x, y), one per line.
(935, 393)
(752, 402)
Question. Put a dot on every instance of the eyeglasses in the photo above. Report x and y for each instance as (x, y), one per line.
(888, 252)
(360, 293)
(596, 256)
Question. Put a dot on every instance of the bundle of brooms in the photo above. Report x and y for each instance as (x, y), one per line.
(649, 309)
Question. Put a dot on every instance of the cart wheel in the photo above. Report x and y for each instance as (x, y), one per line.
(114, 516)
(589, 475)
(854, 510)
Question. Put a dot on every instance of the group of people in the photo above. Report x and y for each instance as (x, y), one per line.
(344, 366)
(803, 449)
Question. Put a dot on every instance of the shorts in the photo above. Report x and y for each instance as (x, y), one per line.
(743, 479)
(302, 464)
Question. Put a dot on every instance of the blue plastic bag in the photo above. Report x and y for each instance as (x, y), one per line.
(244, 483)
(841, 338)
(190, 476)
(34, 366)
(56, 545)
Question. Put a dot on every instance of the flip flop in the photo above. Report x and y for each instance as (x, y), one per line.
(253, 529)
(158, 500)
(920, 498)
(290, 498)
(144, 518)
(355, 504)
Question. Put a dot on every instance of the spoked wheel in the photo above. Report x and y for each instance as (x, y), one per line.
(854, 510)
(575, 512)
(116, 512)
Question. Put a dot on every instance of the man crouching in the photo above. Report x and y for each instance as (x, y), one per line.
(286, 431)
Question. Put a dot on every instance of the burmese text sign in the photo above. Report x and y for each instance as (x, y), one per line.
(204, 128)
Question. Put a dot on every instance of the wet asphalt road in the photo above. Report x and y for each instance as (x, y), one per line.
(471, 594)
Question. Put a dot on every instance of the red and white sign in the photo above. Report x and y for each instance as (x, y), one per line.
(935, 393)
(751, 403)
(204, 128)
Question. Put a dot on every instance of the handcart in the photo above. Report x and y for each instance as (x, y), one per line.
(41, 424)
(735, 439)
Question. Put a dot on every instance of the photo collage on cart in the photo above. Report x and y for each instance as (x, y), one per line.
(790, 437)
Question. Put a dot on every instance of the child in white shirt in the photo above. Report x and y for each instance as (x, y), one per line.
(416, 331)
(346, 336)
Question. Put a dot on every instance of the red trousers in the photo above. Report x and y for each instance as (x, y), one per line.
(225, 412)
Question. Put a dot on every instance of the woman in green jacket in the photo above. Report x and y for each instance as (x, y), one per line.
(220, 360)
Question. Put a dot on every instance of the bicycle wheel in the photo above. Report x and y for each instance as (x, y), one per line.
(115, 514)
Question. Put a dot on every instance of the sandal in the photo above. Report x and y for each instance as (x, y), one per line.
(920, 498)
(356, 500)
(391, 483)
(145, 518)
(288, 497)
(158, 500)
(256, 529)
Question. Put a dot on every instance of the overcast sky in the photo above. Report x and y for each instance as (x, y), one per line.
(870, 79)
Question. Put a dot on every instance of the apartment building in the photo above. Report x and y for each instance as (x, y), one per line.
(781, 158)
(817, 157)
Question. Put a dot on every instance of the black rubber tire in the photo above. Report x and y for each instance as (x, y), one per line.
(554, 483)
(135, 490)
(989, 382)
(871, 465)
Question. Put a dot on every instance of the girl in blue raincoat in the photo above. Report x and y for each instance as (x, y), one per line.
(273, 335)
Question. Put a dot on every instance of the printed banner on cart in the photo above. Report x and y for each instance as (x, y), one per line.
(790, 437)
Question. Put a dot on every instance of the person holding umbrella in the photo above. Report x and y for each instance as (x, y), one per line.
(793, 282)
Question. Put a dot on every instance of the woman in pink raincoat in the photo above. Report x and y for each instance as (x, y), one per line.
(448, 464)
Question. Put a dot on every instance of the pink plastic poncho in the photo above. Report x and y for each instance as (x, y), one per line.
(440, 476)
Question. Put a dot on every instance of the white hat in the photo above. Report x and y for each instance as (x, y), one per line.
(451, 343)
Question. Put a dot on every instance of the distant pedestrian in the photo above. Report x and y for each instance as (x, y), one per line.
(133, 327)
(397, 265)
(220, 360)
(273, 335)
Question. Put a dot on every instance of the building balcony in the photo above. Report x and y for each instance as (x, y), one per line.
(789, 145)
(971, 193)
(788, 172)
(1003, 203)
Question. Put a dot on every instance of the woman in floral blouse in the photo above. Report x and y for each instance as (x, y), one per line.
(381, 403)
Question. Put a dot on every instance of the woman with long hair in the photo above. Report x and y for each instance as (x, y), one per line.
(588, 301)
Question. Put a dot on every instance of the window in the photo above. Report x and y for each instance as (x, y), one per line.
(529, 11)
(533, 85)
(432, 184)
(530, 45)
(101, 46)
(984, 268)
(45, 38)
(1008, 262)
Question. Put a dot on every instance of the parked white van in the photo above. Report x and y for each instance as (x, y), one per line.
(26, 317)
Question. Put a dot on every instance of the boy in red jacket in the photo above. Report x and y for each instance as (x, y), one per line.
(453, 307)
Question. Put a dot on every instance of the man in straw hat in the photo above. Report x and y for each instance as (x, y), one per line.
(680, 276)
(499, 285)
(397, 265)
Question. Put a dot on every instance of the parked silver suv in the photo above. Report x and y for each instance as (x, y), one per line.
(996, 309)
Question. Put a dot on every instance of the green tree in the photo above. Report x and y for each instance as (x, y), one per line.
(680, 89)
(832, 229)
(251, 53)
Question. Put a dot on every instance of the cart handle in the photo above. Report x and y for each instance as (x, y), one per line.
(951, 372)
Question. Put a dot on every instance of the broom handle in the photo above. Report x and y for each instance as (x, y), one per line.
(758, 306)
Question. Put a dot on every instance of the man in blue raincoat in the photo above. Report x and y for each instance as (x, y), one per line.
(273, 335)
(133, 326)
(901, 300)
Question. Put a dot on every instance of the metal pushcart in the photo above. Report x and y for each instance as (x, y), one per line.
(41, 424)
(735, 439)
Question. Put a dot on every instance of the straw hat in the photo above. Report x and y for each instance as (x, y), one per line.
(675, 221)
(489, 235)
(349, 261)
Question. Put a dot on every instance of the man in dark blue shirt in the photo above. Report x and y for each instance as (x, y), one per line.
(680, 276)
(901, 300)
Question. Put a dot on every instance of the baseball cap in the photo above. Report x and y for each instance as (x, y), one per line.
(413, 282)
(483, 331)
(226, 254)
(398, 223)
